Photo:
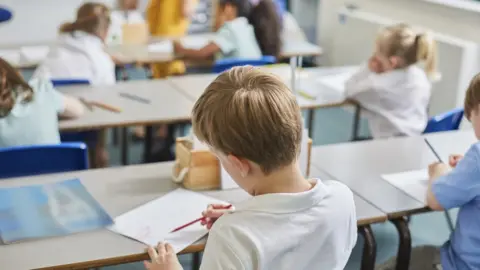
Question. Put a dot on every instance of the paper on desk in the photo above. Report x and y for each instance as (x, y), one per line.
(414, 183)
(189, 42)
(154, 221)
(195, 42)
(34, 54)
(165, 46)
(336, 81)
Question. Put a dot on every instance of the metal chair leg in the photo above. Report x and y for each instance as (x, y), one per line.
(369, 248)
(356, 122)
(197, 260)
(405, 245)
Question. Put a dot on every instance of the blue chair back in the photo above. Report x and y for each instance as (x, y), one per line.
(74, 136)
(5, 14)
(228, 63)
(445, 122)
(41, 159)
(66, 82)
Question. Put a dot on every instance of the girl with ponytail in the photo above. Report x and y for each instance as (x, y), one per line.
(392, 88)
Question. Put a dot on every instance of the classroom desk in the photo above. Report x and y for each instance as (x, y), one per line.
(167, 105)
(194, 85)
(367, 214)
(361, 164)
(118, 190)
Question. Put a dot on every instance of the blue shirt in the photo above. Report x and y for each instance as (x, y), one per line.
(461, 188)
(34, 122)
(236, 39)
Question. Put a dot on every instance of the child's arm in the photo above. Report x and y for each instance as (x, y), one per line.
(204, 53)
(460, 186)
(72, 107)
(360, 82)
(188, 7)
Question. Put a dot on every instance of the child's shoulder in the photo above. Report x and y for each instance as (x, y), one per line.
(41, 85)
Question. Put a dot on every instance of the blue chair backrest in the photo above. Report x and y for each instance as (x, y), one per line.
(41, 159)
(445, 122)
(73, 136)
(5, 14)
(65, 82)
(228, 63)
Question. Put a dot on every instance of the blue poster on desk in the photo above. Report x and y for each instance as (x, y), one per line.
(48, 210)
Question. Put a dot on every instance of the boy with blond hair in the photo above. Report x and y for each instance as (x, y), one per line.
(252, 122)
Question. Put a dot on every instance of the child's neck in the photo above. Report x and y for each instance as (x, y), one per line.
(288, 179)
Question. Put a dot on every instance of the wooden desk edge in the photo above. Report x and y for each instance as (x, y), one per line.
(127, 124)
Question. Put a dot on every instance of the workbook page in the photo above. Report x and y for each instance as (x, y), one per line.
(153, 222)
(414, 183)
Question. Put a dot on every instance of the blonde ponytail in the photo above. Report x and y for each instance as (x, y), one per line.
(427, 52)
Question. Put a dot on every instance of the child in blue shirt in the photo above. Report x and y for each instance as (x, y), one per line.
(241, 32)
(455, 188)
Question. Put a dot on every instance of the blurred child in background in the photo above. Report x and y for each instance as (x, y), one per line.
(126, 13)
(29, 111)
(80, 54)
(392, 88)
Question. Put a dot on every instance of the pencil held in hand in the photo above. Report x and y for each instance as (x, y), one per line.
(213, 212)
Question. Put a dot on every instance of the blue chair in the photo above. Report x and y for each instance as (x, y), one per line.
(74, 136)
(5, 14)
(228, 63)
(42, 159)
(445, 122)
(68, 82)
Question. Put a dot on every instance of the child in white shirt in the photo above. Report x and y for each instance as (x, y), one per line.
(80, 50)
(393, 90)
(252, 122)
(80, 54)
(126, 13)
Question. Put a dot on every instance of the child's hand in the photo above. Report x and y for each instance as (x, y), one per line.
(178, 47)
(374, 65)
(437, 169)
(453, 160)
(213, 212)
(165, 259)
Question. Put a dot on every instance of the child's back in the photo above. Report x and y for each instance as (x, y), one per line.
(79, 52)
(286, 231)
(396, 101)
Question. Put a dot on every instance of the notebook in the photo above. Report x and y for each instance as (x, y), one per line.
(153, 222)
(48, 210)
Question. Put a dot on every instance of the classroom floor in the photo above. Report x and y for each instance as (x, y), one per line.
(332, 125)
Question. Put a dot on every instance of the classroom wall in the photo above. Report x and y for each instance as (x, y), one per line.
(458, 18)
(37, 21)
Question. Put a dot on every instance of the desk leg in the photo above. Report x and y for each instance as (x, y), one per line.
(369, 248)
(125, 145)
(311, 116)
(293, 69)
(148, 144)
(300, 61)
(356, 122)
(196, 260)
(405, 245)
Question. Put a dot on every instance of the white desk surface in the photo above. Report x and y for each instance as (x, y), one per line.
(361, 164)
(118, 190)
(140, 53)
(194, 85)
(167, 105)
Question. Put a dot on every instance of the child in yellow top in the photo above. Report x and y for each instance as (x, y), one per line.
(169, 18)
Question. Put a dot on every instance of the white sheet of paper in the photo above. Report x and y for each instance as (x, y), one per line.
(34, 53)
(195, 42)
(303, 158)
(335, 81)
(165, 46)
(154, 221)
(414, 183)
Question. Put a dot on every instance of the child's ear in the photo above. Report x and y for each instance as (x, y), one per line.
(242, 165)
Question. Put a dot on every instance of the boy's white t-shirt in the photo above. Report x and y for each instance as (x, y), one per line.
(316, 229)
(396, 101)
(78, 55)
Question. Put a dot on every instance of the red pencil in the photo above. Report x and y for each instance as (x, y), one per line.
(196, 220)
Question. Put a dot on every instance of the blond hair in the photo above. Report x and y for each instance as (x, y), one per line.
(92, 18)
(402, 41)
(251, 114)
(472, 96)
